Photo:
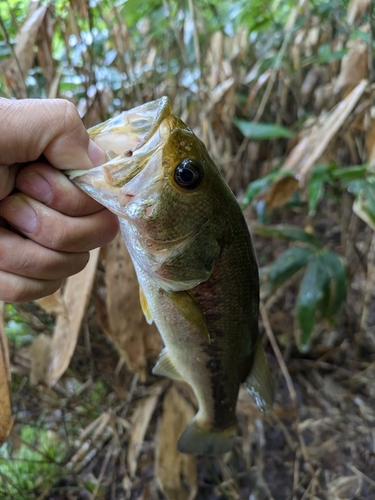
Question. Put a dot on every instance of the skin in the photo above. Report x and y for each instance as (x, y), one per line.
(47, 225)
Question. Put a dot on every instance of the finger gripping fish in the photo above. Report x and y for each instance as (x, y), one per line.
(194, 259)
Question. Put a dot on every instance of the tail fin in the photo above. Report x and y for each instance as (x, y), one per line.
(197, 440)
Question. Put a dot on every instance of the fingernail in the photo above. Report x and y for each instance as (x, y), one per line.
(96, 154)
(35, 186)
(19, 214)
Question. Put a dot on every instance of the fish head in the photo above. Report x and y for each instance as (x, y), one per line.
(158, 174)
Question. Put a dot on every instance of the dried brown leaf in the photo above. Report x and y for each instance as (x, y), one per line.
(370, 144)
(44, 44)
(214, 57)
(313, 76)
(40, 352)
(26, 36)
(140, 421)
(136, 340)
(360, 209)
(54, 304)
(354, 67)
(76, 296)
(345, 487)
(311, 147)
(4, 349)
(16, 68)
(6, 419)
(280, 193)
(260, 82)
(79, 7)
(176, 473)
(356, 10)
(218, 92)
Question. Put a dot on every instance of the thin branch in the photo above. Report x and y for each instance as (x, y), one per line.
(288, 380)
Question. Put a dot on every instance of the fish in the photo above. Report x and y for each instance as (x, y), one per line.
(195, 263)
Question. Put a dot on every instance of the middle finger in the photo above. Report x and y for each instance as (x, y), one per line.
(53, 188)
(55, 230)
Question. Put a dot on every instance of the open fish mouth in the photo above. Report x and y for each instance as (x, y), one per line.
(128, 140)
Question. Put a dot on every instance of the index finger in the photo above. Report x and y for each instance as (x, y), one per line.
(53, 127)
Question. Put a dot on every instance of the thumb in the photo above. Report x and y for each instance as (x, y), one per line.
(53, 127)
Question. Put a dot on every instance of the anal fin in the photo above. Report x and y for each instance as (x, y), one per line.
(165, 367)
(145, 307)
(259, 381)
(190, 310)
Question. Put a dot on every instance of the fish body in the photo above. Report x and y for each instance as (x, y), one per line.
(194, 260)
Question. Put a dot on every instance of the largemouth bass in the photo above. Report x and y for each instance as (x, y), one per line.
(194, 259)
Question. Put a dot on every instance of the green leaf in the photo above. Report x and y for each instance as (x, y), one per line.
(315, 187)
(261, 211)
(323, 288)
(364, 205)
(310, 294)
(288, 264)
(258, 186)
(350, 173)
(262, 131)
(337, 284)
(290, 233)
(315, 192)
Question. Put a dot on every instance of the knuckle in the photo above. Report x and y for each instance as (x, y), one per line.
(79, 262)
(64, 116)
(71, 119)
(14, 288)
(61, 239)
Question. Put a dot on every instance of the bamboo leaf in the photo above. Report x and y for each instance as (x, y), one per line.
(310, 294)
(364, 205)
(290, 233)
(353, 173)
(262, 131)
(315, 187)
(288, 264)
(258, 186)
(337, 285)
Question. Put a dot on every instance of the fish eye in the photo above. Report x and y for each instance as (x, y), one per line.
(188, 174)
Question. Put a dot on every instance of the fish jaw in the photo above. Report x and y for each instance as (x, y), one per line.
(131, 142)
(140, 175)
(131, 129)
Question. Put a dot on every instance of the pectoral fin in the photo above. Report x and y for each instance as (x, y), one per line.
(191, 311)
(145, 306)
(165, 367)
(259, 382)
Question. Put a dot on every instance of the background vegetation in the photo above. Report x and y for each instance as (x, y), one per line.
(282, 93)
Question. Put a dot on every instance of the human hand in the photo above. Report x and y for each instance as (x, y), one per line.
(47, 225)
